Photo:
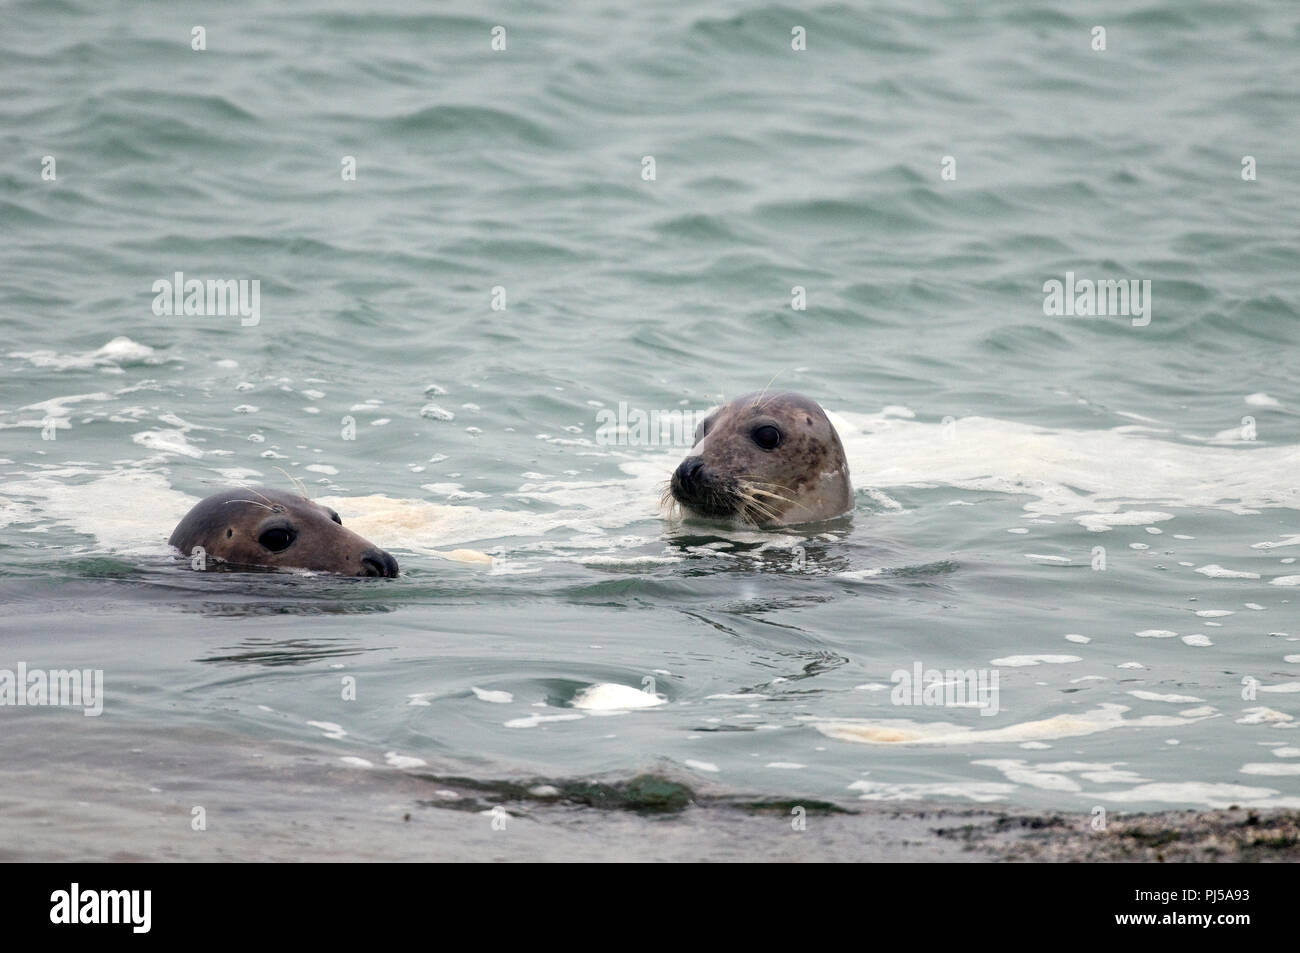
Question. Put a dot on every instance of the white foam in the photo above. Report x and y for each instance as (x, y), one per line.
(53, 412)
(396, 760)
(1285, 581)
(629, 561)
(120, 350)
(167, 443)
(1199, 792)
(1067, 471)
(701, 765)
(434, 412)
(1055, 776)
(533, 720)
(330, 729)
(1021, 773)
(903, 731)
(1014, 661)
(1063, 472)
(1156, 697)
(495, 697)
(859, 575)
(1263, 716)
(1282, 688)
(980, 791)
(129, 511)
(1215, 571)
(423, 527)
(1270, 768)
(1104, 522)
(1274, 544)
(610, 696)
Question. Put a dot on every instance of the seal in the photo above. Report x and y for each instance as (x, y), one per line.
(257, 527)
(765, 460)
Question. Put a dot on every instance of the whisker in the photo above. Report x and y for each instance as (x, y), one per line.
(747, 481)
(668, 502)
(758, 506)
(253, 489)
(776, 496)
(758, 401)
(296, 483)
(758, 489)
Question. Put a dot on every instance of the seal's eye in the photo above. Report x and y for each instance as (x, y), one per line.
(277, 538)
(702, 430)
(335, 517)
(767, 437)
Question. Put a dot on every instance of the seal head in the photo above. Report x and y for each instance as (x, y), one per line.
(765, 460)
(257, 527)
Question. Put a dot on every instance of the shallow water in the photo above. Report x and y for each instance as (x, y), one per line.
(994, 448)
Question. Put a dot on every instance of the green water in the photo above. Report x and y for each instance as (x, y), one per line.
(990, 442)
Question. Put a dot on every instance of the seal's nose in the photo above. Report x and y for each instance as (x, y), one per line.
(688, 473)
(686, 484)
(376, 562)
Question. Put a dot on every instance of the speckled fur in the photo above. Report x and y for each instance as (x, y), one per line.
(804, 480)
(227, 525)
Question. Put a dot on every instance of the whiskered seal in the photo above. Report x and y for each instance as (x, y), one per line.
(257, 527)
(765, 460)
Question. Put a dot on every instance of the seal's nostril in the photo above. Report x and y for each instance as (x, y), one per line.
(688, 473)
(376, 562)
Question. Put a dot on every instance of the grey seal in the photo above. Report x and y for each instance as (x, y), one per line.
(257, 527)
(765, 460)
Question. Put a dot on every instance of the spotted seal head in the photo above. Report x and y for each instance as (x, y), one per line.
(256, 527)
(765, 460)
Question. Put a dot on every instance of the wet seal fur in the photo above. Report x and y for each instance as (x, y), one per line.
(257, 527)
(764, 460)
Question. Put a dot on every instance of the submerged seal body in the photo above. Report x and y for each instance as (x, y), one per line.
(766, 460)
(256, 527)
